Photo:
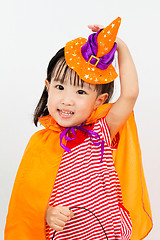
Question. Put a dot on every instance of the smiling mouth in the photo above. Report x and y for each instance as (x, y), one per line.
(65, 113)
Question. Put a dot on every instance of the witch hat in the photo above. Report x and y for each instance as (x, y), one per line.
(92, 59)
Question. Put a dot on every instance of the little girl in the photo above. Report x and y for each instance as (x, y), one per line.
(68, 166)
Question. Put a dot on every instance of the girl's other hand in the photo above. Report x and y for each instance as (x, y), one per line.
(95, 27)
(57, 217)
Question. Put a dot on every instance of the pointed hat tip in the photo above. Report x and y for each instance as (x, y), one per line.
(115, 23)
(118, 19)
(107, 37)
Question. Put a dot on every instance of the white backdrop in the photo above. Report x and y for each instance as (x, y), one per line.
(32, 31)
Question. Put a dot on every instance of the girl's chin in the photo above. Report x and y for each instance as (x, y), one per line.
(67, 121)
(64, 122)
(68, 124)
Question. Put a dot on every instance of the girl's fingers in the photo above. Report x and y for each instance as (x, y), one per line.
(60, 223)
(98, 26)
(56, 227)
(71, 214)
(64, 210)
(95, 28)
(57, 217)
(62, 217)
(57, 222)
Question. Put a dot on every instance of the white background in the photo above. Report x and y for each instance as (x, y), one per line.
(32, 31)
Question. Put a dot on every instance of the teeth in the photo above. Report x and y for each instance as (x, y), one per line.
(66, 113)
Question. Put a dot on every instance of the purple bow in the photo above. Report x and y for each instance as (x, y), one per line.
(93, 136)
(90, 48)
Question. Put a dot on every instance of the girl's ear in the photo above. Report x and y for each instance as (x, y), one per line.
(100, 100)
(47, 84)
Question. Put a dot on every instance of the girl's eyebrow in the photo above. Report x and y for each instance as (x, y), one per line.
(62, 81)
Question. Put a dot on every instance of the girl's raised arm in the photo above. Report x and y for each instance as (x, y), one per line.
(123, 107)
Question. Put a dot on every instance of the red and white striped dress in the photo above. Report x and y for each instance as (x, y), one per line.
(83, 181)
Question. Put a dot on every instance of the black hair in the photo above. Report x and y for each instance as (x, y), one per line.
(52, 70)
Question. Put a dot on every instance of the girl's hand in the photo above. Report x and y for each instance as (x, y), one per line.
(57, 217)
(95, 28)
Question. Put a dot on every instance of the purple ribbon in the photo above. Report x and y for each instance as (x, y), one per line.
(93, 136)
(90, 48)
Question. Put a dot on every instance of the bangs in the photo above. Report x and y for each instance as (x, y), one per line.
(61, 72)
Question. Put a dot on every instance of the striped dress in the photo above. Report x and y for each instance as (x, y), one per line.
(83, 181)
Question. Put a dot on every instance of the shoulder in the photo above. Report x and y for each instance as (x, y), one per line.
(37, 149)
(39, 143)
(36, 138)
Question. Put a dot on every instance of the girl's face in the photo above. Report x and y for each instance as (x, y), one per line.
(72, 105)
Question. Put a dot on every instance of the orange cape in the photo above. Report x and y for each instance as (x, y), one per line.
(37, 172)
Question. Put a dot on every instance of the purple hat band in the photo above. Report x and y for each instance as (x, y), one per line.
(90, 48)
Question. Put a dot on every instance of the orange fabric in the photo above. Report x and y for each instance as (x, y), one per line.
(37, 172)
(107, 37)
(85, 70)
(128, 163)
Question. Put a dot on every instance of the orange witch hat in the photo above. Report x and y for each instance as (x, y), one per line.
(92, 59)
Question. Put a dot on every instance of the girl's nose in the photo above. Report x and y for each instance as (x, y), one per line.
(67, 100)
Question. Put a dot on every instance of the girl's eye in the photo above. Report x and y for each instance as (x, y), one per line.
(81, 92)
(60, 87)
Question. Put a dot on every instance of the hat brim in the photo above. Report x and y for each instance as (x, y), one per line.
(86, 71)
